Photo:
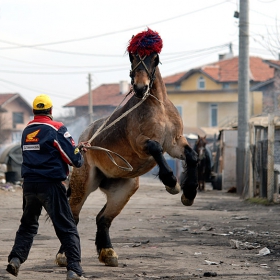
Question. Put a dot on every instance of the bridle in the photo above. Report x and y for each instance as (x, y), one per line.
(151, 75)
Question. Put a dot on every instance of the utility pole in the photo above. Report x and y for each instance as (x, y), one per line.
(90, 111)
(243, 95)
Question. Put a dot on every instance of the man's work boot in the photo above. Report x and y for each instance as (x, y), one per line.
(13, 266)
(71, 275)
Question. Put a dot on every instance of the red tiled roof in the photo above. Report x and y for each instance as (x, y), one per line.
(227, 71)
(106, 94)
(4, 97)
(260, 71)
(174, 78)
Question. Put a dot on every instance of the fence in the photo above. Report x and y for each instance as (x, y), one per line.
(264, 158)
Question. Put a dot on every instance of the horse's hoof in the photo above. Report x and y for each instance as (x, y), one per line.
(109, 257)
(61, 260)
(174, 190)
(186, 201)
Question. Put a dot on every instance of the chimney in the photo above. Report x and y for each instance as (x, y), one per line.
(221, 56)
(123, 87)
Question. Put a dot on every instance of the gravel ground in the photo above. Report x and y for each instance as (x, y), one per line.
(156, 237)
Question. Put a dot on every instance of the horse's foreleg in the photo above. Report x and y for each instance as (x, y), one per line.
(118, 192)
(165, 172)
(189, 181)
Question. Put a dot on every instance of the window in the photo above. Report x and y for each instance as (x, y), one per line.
(225, 85)
(213, 115)
(201, 83)
(178, 86)
(17, 118)
(180, 110)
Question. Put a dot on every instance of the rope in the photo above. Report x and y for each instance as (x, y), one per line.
(104, 123)
(108, 152)
(101, 129)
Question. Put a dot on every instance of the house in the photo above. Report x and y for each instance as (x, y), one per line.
(270, 88)
(15, 112)
(105, 99)
(207, 96)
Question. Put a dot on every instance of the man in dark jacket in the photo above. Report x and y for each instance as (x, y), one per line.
(47, 150)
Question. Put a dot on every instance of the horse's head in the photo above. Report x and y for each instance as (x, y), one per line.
(200, 146)
(143, 52)
(142, 72)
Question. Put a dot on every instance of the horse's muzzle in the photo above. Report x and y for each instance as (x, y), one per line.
(140, 92)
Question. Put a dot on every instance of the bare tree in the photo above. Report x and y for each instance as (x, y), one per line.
(272, 42)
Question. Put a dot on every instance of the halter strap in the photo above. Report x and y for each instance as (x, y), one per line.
(151, 75)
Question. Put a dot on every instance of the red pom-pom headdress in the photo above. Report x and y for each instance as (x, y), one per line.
(145, 43)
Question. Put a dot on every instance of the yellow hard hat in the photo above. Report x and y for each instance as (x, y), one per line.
(42, 102)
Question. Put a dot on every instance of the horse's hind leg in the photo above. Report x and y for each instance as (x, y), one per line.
(118, 192)
(165, 172)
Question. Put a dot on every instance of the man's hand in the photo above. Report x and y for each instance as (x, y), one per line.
(82, 146)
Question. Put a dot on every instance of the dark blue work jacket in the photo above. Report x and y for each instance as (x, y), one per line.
(47, 150)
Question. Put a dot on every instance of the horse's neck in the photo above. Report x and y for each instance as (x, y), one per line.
(158, 89)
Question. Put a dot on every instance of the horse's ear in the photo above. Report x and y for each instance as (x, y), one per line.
(130, 57)
(156, 60)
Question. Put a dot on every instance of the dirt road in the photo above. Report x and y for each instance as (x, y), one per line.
(156, 237)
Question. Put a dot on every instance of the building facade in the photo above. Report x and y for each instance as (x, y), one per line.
(208, 96)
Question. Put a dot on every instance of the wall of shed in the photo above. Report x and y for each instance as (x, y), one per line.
(229, 145)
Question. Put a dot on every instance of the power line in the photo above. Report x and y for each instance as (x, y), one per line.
(60, 73)
(42, 65)
(97, 36)
(167, 55)
(35, 90)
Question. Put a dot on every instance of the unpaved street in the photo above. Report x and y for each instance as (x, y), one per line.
(156, 237)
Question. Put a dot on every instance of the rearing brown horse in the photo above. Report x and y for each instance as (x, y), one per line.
(141, 137)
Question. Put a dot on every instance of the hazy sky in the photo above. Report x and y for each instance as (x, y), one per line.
(50, 46)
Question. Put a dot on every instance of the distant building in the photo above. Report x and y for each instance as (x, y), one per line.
(270, 88)
(207, 96)
(15, 112)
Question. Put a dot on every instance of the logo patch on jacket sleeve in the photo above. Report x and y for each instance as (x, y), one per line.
(67, 134)
(31, 137)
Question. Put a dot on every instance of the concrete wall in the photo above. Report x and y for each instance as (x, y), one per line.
(229, 144)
